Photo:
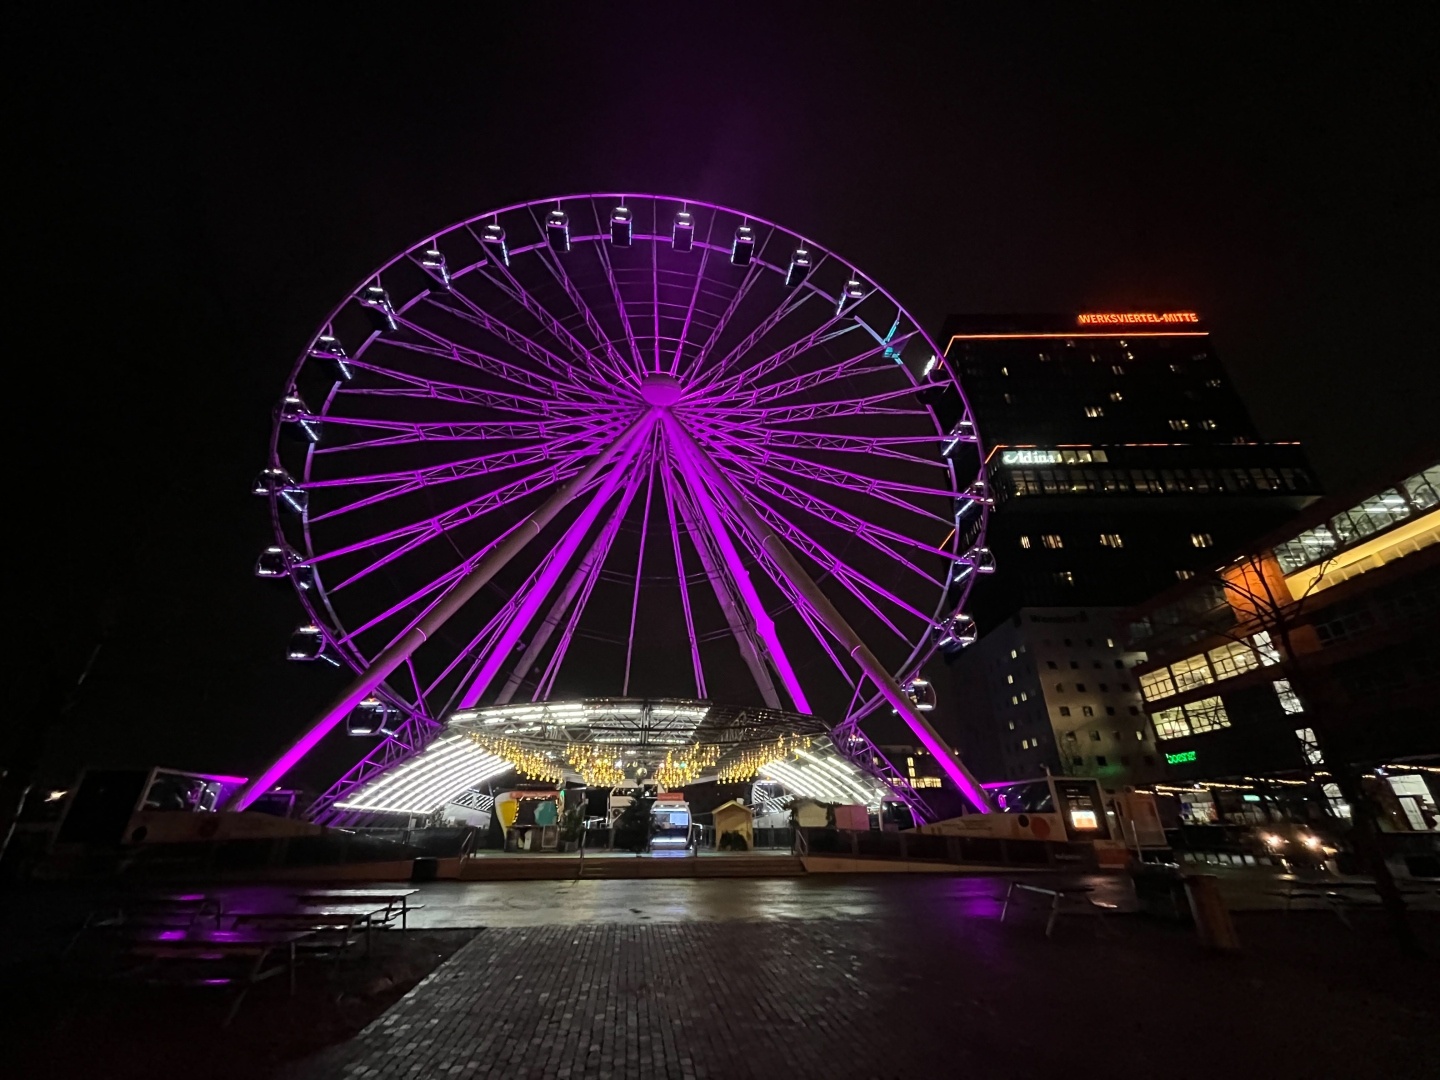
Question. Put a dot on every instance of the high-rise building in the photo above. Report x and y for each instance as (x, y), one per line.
(1120, 456)
(1121, 460)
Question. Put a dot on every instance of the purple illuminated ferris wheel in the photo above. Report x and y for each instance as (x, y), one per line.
(622, 446)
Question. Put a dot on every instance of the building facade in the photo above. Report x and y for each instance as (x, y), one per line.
(1121, 457)
(1053, 690)
(1316, 641)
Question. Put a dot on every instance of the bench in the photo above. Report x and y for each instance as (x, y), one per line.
(1058, 893)
(206, 947)
(395, 903)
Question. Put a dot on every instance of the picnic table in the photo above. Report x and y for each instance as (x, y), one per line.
(206, 945)
(389, 902)
(1059, 892)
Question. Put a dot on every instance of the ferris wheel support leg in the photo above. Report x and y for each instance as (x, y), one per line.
(767, 539)
(464, 589)
(685, 458)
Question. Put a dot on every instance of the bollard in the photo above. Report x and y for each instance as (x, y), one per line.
(1212, 918)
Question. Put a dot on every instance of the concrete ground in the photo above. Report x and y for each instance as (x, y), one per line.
(841, 977)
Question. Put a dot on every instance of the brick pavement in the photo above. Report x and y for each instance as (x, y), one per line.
(842, 998)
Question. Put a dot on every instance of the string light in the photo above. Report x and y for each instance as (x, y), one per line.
(533, 763)
(684, 764)
(597, 765)
(746, 763)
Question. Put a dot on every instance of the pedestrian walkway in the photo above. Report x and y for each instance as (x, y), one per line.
(947, 990)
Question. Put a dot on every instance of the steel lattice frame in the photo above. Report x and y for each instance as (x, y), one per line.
(575, 448)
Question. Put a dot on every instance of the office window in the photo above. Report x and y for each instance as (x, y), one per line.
(1289, 700)
(1116, 369)
(1157, 684)
(1064, 710)
(1052, 541)
(1009, 399)
(1192, 673)
(1115, 395)
(1070, 736)
(1086, 710)
(1079, 687)
(1171, 723)
(1024, 695)
(1094, 411)
(1139, 736)
(1005, 371)
(1208, 425)
(1111, 540)
(1077, 761)
(1064, 577)
(1109, 710)
(1009, 678)
(1176, 368)
(1014, 699)
(1184, 575)
(1024, 744)
(1052, 665)
(1101, 760)
(1104, 687)
(1059, 687)
(1201, 540)
(1094, 736)
(1269, 654)
(1233, 659)
(1044, 357)
(1207, 714)
(1179, 425)
(1012, 725)
(1025, 542)
(1213, 384)
(1075, 664)
(1014, 653)
(1109, 642)
(1134, 710)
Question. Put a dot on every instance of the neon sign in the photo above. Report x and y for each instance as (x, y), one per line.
(1135, 318)
(1030, 457)
(1182, 758)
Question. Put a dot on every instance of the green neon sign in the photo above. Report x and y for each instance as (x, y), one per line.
(1181, 758)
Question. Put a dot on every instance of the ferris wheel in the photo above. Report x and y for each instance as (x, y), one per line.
(623, 446)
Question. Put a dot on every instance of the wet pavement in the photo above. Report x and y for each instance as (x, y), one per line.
(883, 977)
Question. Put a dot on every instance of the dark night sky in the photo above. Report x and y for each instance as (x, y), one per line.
(201, 192)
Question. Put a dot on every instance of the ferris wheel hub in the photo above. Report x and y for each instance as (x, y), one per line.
(660, 390)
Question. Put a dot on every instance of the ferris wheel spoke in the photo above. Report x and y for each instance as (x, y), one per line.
(443, 348)
(563, 371)
(680, 576)
(419, 386)
(563, 552)
(764, 625)
(580, 355)
(860, 483)
(694, 298)
(467, 511)
(863, 530)
(752, 275)
(617, 363)
(870, 446)
(405, 431)
(580, 584)
(620, 309)
(726, 595)
(869, 405)
(836, 567)
(715, 389)
(436, 475)
(639, 568)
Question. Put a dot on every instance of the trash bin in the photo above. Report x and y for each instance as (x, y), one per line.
(425, 869)
(1212, 917)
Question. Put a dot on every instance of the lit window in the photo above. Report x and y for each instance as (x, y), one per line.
(1014, 653)
(1024, 695)
(1269, 654)
(1070, 736)
(1064, 577)
(1094, 736)
(1139, 736)
(1012, 725)
(1010, 678)
(1009, 399)
(1005, 371)
(1208, 425)
(1157, 684)
(1087, 710)
(1233, 659)
(1111, 540)
(1052, 540)
(1115, 395)
(1179, 425)
(1207, 714)
(1117, 369)
(1024, 744)
(1044, 357)
(1171, 724)
(1289, 700)
(1310, 747)
(1094, 411)
(1214, 384)
(1201, 540)
(1184, 575)
(1176, 368)
(1014, 699)
(1192, 673)
(1109, 642)
(1025, 542)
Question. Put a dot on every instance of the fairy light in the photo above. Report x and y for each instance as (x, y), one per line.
(533, 763)
(745, 764)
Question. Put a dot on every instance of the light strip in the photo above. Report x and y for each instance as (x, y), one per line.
(1021, 337)
(412, 773)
